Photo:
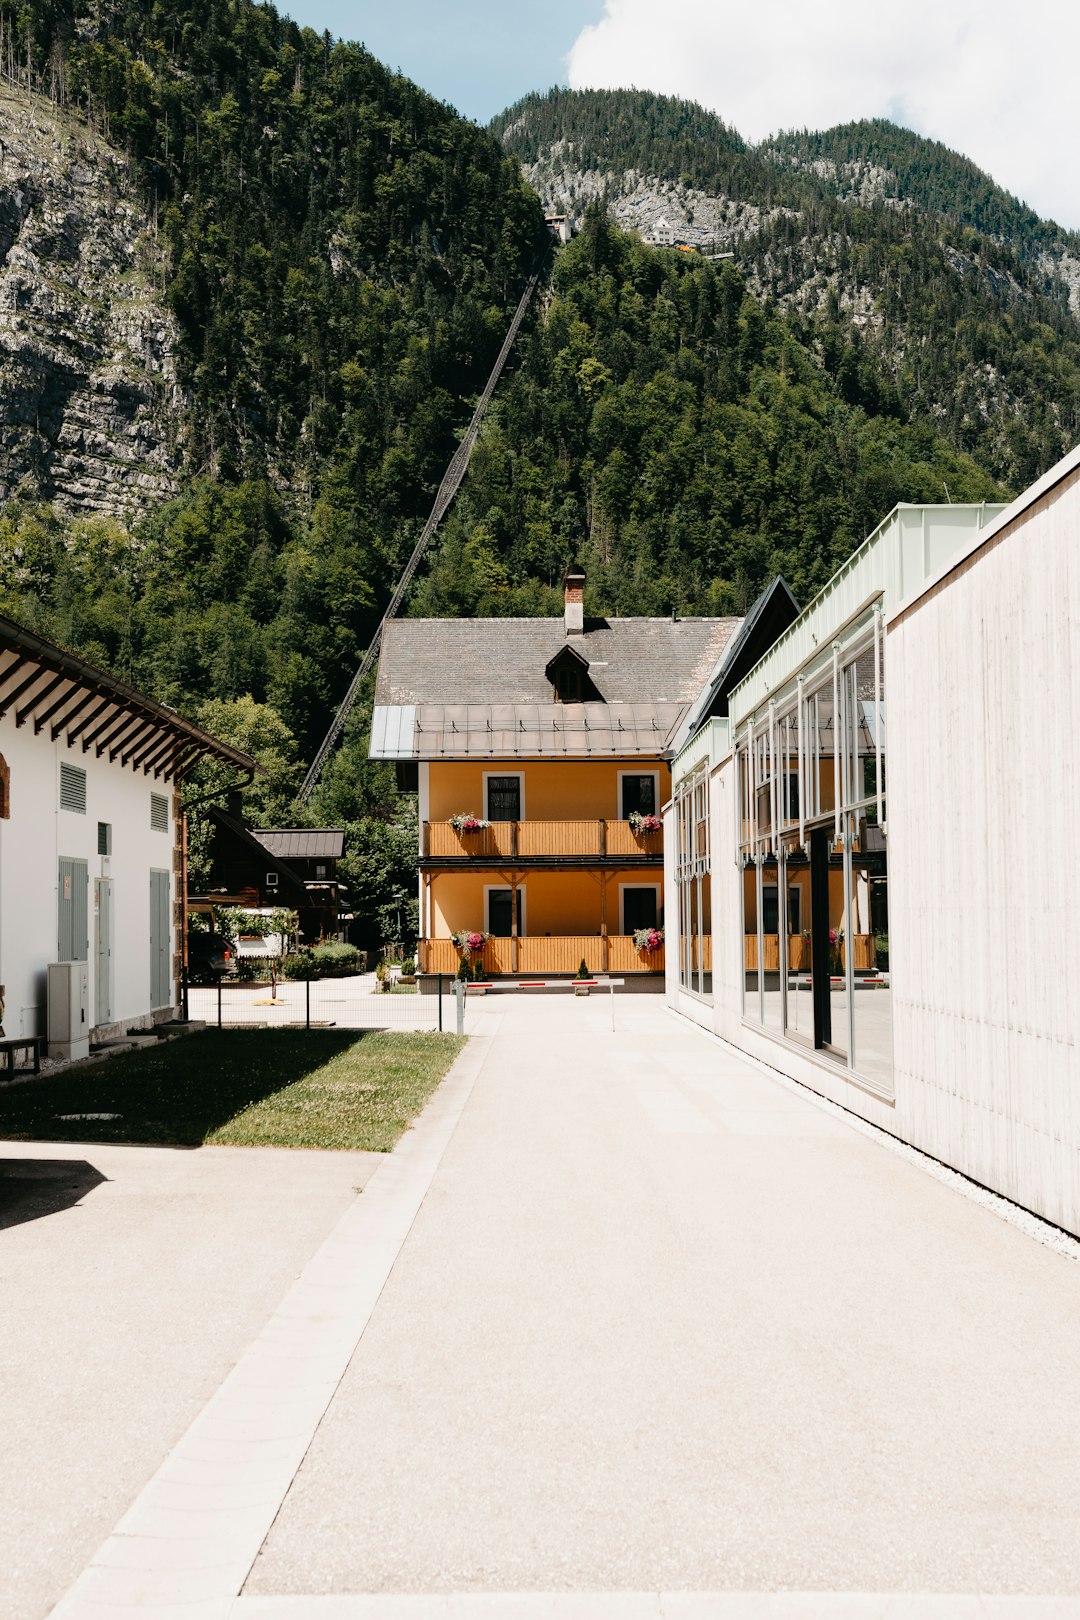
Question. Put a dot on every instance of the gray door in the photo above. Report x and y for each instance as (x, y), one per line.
(500, 913)
(103, 960)
(160, 940)
(72, 938)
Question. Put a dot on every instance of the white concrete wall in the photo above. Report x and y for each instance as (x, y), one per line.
(32, 842)
(983, 693)
(983, 709)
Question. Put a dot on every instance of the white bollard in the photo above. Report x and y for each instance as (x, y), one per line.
(459, 997)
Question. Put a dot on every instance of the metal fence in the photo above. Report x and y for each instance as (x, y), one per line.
(262, 999)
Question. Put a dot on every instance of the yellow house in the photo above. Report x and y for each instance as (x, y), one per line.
(538, 748)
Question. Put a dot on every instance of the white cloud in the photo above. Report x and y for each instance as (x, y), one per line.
(992, 80)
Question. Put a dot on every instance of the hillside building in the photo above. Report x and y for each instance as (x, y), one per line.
(537, 747)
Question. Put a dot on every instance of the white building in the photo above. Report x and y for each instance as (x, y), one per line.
(91, 860)
(872, 853)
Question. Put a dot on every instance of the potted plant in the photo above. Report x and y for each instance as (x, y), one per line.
(642, 822)
(408, 971)
(582, 973)
(465, 822)
(470, 942)
(649, 940)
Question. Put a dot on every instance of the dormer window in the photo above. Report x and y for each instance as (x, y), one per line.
(567, 685)
(568, 673)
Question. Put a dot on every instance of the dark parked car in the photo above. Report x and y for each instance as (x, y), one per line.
(210, 958)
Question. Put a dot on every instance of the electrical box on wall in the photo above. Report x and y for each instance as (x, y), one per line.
(69, 1010)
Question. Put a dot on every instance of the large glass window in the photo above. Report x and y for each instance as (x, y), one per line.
(812, 837)
(693, 876)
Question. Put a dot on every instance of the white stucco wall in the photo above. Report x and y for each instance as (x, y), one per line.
(32, 842)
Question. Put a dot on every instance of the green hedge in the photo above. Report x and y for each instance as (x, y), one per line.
(329, 961)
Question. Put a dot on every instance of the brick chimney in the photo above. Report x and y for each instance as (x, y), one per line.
(574, 600)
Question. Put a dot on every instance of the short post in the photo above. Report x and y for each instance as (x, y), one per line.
(307, 999)
(184, 991)
(459, 996)
(440, 1000)
(611, 992)
(219, 1001)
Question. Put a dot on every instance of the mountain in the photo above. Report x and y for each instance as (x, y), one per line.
(92, 409)
(251, 269)
(896, 257)
(264, 279)
(297, 205)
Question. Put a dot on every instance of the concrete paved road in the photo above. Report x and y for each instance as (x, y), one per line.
(663, 1324)
(131, 1279)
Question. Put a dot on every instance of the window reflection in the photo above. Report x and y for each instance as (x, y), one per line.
(813, 845)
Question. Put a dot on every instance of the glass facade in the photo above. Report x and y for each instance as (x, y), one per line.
(812, 848)
(692, 850)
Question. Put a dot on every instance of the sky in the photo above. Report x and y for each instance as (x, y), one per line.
(991, 80)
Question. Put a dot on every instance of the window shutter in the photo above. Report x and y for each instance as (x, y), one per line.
(72, 789)
(159, 812)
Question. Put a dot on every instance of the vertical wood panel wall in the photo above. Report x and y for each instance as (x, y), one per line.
(983, 691)
(983, 701)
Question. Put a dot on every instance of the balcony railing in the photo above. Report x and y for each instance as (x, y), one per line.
(530, 840)
(546, 953)
(799, 953)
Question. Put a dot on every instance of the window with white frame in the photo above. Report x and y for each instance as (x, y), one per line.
(811, 833)
(693, 879)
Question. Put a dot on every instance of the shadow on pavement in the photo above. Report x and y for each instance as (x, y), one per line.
(33, 1188)
(174, 1094)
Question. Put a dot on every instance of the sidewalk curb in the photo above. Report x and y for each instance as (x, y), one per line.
(188, 1541)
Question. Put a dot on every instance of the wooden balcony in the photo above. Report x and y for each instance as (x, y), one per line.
(539, 954)
(548, 841)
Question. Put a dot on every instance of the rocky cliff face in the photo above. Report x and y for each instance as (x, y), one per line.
(90, 408)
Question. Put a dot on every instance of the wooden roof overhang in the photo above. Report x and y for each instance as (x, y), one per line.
(48, 687)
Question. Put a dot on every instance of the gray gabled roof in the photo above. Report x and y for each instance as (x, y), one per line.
(488, 661)
(481, 688)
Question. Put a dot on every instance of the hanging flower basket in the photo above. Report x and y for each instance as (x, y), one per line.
(648, 940)
(463, 823)
(641, 823)
(470, 942)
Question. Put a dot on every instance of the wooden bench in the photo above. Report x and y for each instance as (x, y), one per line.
(9, 1045)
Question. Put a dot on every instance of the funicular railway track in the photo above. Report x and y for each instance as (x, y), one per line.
(444, 495)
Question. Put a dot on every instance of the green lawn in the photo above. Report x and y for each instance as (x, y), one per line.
(249, 1088)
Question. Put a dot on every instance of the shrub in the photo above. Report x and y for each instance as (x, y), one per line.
(296, 966)
(583, 970)
(334, 960)
(408, 967)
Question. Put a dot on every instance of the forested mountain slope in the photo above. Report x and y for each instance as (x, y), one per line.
(337, 257)
(920, 284)
(681, 441)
